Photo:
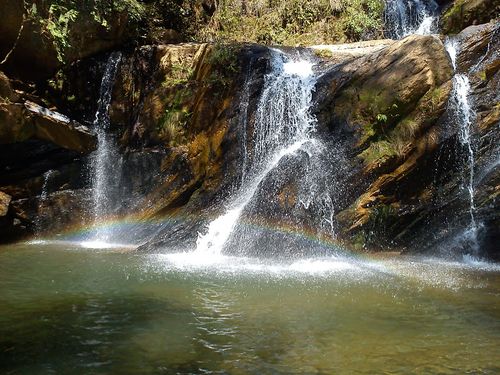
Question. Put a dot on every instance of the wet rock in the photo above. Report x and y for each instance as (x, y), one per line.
(475, 42)
(56, 212)
(405, 183)
(383, 108)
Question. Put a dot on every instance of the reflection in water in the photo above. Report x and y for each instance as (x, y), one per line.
(84, 312)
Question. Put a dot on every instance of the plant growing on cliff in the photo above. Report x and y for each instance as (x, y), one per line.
(58, 25)
(223, 59)
(56, 17)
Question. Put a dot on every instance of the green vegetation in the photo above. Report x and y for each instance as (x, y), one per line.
(179, 74)
(286, 22)
(452, 19)
(295, 22)
(172, 124)
(378, 151)
(56, 17)
(223, 60)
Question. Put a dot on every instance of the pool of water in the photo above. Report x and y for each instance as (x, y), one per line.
(65, 309)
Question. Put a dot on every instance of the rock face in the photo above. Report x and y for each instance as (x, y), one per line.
(35, 140)
(383, 108)
(43, 35)
(461, 14)
(182, 117)
(178, 104)
(390, 111)
(191, 108)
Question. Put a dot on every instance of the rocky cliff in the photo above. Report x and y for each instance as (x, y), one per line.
(182, 116)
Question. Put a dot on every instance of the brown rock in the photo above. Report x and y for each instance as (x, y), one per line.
(19, 122)
(4, 203)
(6, 92)
(60, 130)
(384, 107)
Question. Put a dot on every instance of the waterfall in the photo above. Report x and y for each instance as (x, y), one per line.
(464, 116)
(105, 161)
(406, 17)
(283, 125)
(43, 198)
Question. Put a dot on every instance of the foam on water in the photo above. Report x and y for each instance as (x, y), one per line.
(301, 68)
(193, 262)
(99, 245)
(430, 272)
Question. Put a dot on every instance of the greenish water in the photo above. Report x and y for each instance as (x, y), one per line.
(68, 310)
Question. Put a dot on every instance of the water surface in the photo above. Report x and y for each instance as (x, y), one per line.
(65, 309)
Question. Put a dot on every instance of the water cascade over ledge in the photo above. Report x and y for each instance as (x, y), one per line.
(283, 126)
(463, 115)
(406, 17)
(105, 161)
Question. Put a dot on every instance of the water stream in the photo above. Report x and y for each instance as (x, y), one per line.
(43, 198)
(463, 114)
(406, 17)
(106, 160)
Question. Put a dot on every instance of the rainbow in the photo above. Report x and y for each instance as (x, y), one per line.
(130, 224)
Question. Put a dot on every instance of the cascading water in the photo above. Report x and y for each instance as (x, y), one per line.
(406, 17)
(43, 198)
(464, 116)
(105, 161)
(283, 126)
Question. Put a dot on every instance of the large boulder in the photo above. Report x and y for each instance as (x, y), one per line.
(60, 130)
(382, 109)
(392, 116)
(19, 122)
(22, 119)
